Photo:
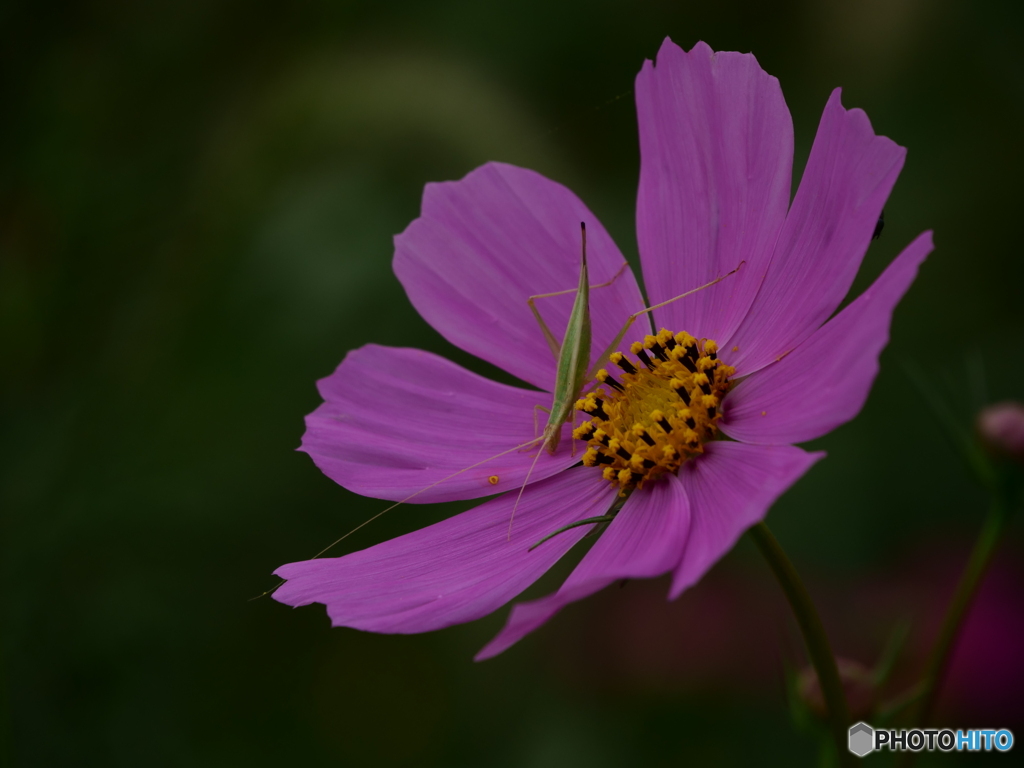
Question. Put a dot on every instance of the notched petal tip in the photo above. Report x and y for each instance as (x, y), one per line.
(859, 119)
(700, 50)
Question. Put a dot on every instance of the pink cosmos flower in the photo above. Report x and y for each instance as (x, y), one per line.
(716, 142)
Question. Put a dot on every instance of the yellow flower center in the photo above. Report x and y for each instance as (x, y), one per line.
(658, 413)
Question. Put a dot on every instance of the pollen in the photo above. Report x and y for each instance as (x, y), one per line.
(653, 415)
(493, 479)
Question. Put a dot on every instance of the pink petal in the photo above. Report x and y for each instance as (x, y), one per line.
(716, 150)
(397, 421)
(730, 488)
(826, 380)
(849, 175)
(484, 244)
(455, 571)
(645, 540)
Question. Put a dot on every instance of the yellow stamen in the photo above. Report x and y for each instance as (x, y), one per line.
(660, 411)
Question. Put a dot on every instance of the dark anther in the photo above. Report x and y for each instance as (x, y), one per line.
(685, 394)
(711, 412)
(659, 352)
(690, 422)
(647, 438)
(604, 439)
(648, 464)
(625, 365)
(713, 355)
(692, 353)
(624, 453)
(613, 383)
(602, 459)
(663, 423)
(691, 366)
(597, 411)
(705, 388)
(645, 359)
(670, 344)
(636, 477)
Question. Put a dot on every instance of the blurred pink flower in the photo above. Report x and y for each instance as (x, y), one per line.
(986, 670)
(716, 148)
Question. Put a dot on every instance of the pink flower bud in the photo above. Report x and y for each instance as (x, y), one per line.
(1001, 426)
(858, 685)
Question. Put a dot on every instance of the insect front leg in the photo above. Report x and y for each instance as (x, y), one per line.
(602, 361)
(536, 425)
(553, 344)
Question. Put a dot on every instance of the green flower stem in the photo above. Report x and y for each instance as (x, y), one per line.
(978, 563)
(818, 647)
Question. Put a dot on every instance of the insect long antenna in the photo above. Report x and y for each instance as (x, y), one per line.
(526, 481)
(414, 495)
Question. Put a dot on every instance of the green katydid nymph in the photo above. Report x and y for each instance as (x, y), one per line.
(574, 371)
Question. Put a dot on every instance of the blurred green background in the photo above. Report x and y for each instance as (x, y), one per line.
(197, 201)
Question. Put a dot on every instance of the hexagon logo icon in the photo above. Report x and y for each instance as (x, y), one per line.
(862, 739)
